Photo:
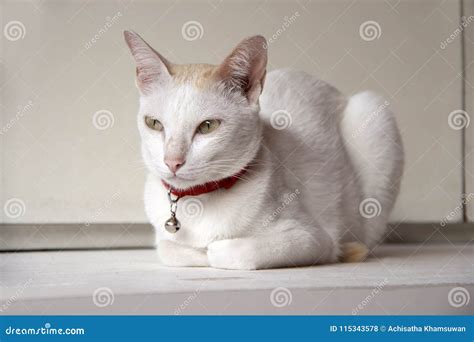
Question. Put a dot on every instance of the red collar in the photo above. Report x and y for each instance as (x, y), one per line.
(205, 188)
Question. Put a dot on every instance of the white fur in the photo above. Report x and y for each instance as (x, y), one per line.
(299, 201)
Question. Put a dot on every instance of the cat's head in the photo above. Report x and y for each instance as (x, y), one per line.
(199, 122)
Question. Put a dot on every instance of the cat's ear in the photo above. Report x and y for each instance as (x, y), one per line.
(244, 69)
(152, 68)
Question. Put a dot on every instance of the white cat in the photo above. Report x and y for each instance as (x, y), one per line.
(316, 174)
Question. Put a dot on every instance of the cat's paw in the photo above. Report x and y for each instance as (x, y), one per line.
(233, 254)
(178, 255)
(167, 252)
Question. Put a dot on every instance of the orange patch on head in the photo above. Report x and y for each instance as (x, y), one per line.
(199, 75)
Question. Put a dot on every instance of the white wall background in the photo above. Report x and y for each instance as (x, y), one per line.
(60, 168)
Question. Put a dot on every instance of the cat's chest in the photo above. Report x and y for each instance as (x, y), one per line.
(203, 218)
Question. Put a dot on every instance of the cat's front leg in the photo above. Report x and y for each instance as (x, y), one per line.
(282, 248)
(179, 255)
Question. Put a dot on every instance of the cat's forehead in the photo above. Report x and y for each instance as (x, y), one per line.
(183, 101)
(197, 75)
(194, 90)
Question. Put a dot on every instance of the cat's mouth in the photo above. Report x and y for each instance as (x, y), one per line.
(179, 178)
(181, 182)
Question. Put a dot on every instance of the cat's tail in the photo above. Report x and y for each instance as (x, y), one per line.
(375, 147)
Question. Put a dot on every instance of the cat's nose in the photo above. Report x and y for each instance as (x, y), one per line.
(174, 163)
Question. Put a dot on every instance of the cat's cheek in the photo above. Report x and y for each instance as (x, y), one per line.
(147, 157)
(151, 158)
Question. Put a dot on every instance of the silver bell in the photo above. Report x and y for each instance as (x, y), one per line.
(172, 225)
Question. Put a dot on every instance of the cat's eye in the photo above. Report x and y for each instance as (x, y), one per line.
(153, 123)
(208, 126)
